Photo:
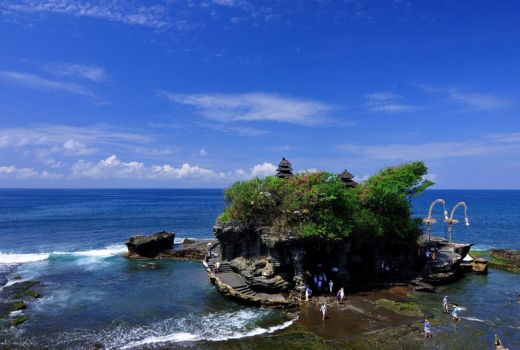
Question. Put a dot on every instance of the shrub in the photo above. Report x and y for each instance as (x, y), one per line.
(319, 205)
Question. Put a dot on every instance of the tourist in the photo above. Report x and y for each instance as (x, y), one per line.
(427, 329)
(331, 286)
(319, 285)
(217, 266)
(323, 309)
(315, 280)
(340, 295)
(307, 293)
(445, 305)
(455, 313)
(428, 254)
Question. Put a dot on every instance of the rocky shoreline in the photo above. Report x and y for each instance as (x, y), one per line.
(503, 259)
(14, 299)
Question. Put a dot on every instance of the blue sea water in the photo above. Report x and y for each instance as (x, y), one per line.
(494, 216)
(72, 241)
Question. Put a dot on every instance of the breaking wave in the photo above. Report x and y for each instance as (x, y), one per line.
(212, 327)
(18, 258)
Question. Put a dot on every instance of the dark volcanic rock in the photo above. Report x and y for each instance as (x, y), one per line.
(192, 250)
(3, 280)
(150, 246)
(260, 274)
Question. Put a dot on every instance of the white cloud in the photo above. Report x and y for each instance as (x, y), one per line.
(116, 11)
(507, 138)
(35, 82)
(67, 138)
(428, 151)
(383, 96)
(387, 102)
(476, 101)
(112, 167)
(75, 70)
(77, 148)
(203, 152)
(234, 129)
(392, 108)
(308, 171)
(255, 107)
(263, 170)
(12, 171)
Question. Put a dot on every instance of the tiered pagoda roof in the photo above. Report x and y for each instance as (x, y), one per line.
(348, 178)
(284, 169)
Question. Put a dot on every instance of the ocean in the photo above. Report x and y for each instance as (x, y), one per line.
(72, 240)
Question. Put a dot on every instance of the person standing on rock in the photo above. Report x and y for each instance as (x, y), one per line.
(445, 305)
(331, 286)
(427, 329)
(217, 266)
(307, 293)
(323, 310)
(340, 295)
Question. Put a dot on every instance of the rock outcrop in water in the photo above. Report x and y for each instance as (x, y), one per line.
(444, 265)
(151, 246)
(160, 245)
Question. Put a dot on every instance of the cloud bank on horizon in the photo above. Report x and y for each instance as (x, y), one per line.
(107, 93)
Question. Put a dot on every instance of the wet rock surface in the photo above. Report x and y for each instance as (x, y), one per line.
(14, 299)
(512, 255)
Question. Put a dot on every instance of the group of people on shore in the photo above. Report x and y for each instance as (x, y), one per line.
(445, 309)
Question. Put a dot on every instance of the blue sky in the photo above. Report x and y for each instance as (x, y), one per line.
(105, 93)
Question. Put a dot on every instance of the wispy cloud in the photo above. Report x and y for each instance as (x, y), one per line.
(234, 129)
(75, 70)
(387, 102)
(69, 138)
(12, 171)
(31, 81)
(474, 100)
(430, 151)
(126, 12)
(255, 107)
(507, 138)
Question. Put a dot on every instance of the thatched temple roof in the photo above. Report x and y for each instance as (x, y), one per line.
(284, 169)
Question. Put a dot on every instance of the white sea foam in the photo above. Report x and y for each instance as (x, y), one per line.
(22, 258)
(473, 319)
(212, 327)
(101, 253)
(18, 258)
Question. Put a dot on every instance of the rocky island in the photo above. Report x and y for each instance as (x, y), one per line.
(285, 234)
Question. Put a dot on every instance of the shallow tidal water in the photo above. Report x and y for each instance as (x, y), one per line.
(71, 240)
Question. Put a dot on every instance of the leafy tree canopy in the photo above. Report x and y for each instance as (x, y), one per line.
(320, 205)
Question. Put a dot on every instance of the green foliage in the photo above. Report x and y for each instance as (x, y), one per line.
(319, 205)
(19, 320)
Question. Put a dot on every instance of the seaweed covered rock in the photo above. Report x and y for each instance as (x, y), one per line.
(150, 246)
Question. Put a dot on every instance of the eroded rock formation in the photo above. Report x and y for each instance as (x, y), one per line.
(151, 246)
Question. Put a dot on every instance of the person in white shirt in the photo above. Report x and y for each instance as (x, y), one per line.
(323, 310)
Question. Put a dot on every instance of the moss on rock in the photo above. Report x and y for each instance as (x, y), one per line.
(405, 308)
